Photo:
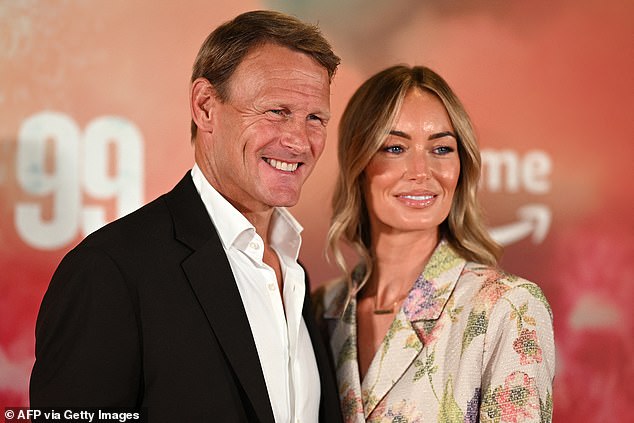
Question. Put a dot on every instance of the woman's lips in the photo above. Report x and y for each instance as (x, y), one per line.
(417, 199)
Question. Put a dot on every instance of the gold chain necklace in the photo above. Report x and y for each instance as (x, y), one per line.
(386, 310)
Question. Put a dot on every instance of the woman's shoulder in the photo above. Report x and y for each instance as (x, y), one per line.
(492, 274)
(491, 283)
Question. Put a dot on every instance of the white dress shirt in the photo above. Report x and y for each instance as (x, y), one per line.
(281, 338)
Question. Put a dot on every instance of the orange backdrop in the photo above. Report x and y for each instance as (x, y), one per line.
(94, 122)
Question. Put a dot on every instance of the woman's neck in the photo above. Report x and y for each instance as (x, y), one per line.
(399, 258)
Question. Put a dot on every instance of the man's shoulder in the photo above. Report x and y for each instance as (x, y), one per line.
(139, 220)
(149, 221)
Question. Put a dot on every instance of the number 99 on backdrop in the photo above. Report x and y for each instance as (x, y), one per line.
(57, 165)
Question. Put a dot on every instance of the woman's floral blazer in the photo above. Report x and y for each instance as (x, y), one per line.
(470, 344)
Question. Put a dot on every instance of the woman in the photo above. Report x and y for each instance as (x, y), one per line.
(426, 327)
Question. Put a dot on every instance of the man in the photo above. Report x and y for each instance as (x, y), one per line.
(194, 306)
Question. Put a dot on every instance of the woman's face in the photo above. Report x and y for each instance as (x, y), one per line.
(410, 182)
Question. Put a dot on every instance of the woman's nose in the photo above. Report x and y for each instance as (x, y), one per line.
(417, 168)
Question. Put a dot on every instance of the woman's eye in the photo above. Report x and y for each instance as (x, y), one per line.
(442, 150)
(393, 149)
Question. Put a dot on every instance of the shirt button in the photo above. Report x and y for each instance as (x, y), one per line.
(272, 286)
(254, 245)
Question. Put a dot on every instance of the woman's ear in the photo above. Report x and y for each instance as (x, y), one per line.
(202, 100)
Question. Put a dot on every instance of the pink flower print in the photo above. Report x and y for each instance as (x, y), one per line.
(518, 399)
(489, 294)
(377, 415)
(527, 346)
(421, 300)
(351, 405)
(489, 274)
(428, 330)
(403, 411)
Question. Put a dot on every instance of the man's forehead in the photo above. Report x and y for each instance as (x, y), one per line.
(271, 58)
(271, 67)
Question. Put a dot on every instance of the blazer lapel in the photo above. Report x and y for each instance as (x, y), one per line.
(213, 283)
(329, 405)
(409, 333)
(342, 326)
(413, 324)
(398, 350)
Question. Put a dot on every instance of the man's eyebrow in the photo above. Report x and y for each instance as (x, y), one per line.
(442, 134)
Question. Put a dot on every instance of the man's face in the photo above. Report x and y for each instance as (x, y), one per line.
(268, 135)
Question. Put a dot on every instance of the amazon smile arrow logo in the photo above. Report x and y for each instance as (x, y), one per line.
(533, 220)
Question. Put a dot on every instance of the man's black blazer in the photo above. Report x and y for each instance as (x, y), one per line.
(145, 312)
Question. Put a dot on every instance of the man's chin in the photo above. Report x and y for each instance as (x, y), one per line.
(285, 203)
(284, 198)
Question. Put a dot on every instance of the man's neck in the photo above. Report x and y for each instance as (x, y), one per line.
(261, 221)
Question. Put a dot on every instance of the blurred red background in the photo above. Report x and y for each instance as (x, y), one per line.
(94, 122)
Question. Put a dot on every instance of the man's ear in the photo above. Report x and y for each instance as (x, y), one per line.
(202, 101)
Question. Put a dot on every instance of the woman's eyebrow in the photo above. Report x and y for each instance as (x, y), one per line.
(401, 134)
(442, 134)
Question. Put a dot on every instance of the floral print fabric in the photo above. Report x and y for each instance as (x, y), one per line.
(469, 344)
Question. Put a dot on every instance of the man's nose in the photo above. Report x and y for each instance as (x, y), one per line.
(295, 135)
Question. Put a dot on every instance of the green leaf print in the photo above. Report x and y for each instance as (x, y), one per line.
(443, 290)
(454, 312)
(476, 325)
(422, 370)
(441, 261)
(490, 411)
(396, 326)
(546, 409)
(413, 342)
(369, 398)
(536, 292)
(347, 352)
(449, 411)
(426, 368)
(518, 314)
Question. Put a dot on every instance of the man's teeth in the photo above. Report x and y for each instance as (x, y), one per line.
(418, 197)
(287, 167)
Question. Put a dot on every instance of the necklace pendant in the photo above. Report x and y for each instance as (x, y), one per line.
(384, 310)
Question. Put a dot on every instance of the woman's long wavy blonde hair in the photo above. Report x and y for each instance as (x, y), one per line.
(363, 128)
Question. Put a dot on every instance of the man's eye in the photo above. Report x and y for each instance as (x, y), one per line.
(315, 118)
(278, 112)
